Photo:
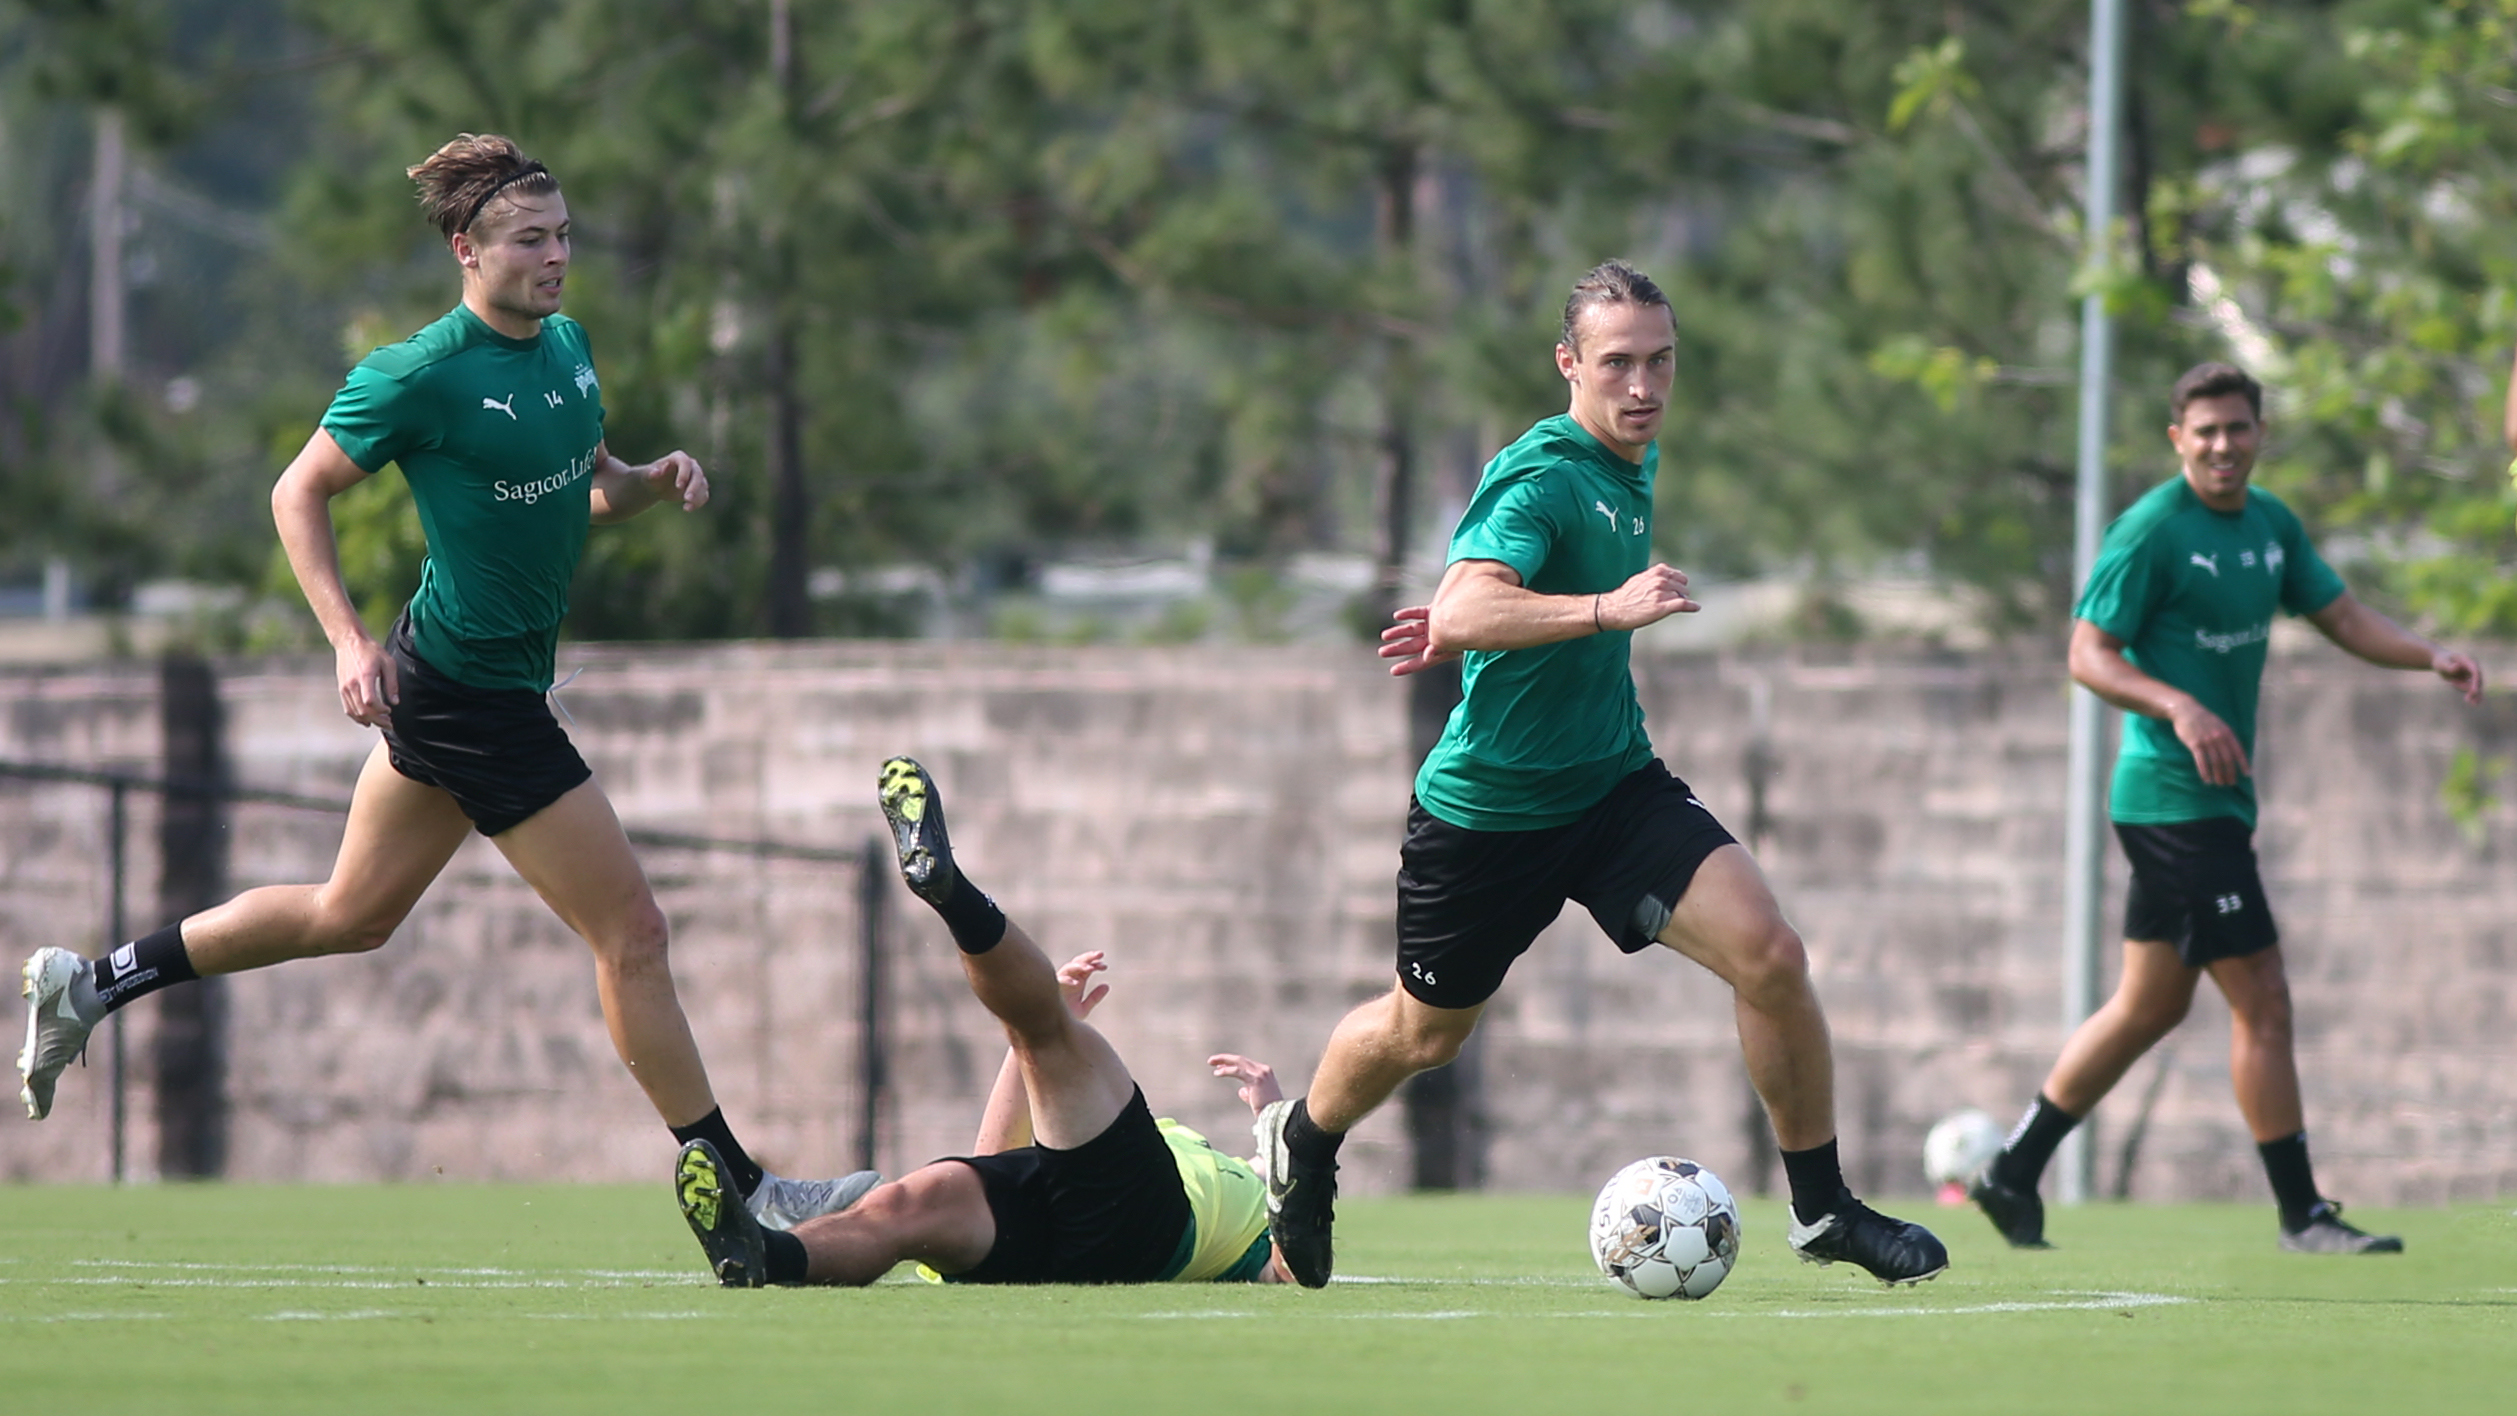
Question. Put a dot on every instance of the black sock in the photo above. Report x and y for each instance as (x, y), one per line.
(977, 924)
(712, 1129)
(1816, 1176)
(2021, 1163)
(2293, 1179)
(786, 1256)
(143, 966)
(1306, 1141)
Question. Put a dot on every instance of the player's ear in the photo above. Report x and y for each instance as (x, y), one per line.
(1567, 363)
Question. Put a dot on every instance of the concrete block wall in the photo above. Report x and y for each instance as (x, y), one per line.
(1225, 824)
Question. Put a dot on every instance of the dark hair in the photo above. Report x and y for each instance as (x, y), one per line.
(459, 179)
(1608, 283)
(2214, 380)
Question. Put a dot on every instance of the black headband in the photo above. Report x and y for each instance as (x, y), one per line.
(530, 169)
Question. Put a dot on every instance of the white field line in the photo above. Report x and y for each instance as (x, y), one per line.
(84, 1318)
(2060, 1303)
(683, 1275)
(178, 1274)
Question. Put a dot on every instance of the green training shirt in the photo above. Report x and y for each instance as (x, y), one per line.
(497, 439)
(2192, 593)
(1541, 734)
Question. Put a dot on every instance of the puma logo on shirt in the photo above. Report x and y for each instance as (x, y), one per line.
(2210, 563)
(508, 407)
(1603, 509)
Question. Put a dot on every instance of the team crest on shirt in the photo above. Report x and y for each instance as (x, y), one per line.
(585, 380)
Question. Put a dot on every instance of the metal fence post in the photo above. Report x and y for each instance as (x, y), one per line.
(873, 878)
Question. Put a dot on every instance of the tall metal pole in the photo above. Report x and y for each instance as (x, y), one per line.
(2085, 798)
(116, 856)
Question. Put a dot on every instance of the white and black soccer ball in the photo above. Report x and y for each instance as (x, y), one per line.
(1665, 1228)
(1959, 1146)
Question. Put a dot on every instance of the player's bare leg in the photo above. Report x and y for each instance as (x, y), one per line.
(577, 858)
(1074, 1078)
(1729, 922)
(2151, 997)
(2263, 1070)
(937, 1215)
(1376, 1048)
(2263, 1065)
(399, 837)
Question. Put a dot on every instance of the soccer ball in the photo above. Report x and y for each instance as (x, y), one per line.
(1665, 1228)
(1959, 1147)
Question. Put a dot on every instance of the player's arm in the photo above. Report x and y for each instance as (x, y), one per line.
(301, 506)
(2364, 633)
(1005, 1123)
(1483, 605)
(622, 489)
(2098, 665)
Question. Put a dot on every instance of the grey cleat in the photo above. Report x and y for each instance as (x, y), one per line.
(780, 1203)
(55, 1033)
(2325, 1233)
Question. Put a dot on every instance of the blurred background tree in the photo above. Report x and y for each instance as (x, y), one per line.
(959, 289)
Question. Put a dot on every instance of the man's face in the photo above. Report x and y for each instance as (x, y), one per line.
(2217, 439)
(518, 251)
(1621, 376)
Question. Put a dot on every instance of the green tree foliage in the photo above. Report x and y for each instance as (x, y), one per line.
(1028, 277)
(2360, 255)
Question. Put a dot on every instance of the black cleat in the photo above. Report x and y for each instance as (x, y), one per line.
(2325, 1233)
(1893, 1250)
(1301, 1202)
(737, 1254)
(2018, 1214)
(916, 813)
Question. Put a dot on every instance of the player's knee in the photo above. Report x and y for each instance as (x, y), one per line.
(1772, 964)
(1426, 1042)
(2156, 1017)
(637, 944)
(2266, 1015)
(354, 931)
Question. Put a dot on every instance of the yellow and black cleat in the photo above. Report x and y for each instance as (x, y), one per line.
(737, 1254)
(915, 812)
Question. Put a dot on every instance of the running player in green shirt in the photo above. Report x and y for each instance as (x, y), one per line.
(1073, 1179)
(1544, 788)
(2173, 626)
(495, 416)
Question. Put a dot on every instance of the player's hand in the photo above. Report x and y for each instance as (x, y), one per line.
(676, 476)
(1408, 642)
(2462, 673)
(1074, 978)
(2217, 754)
(1258, 1080)
(369, 685)
(1650, 597)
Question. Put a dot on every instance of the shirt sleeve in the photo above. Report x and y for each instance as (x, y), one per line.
(2123, 587)
(375, 418)
(2307, 583)
(1515, 522)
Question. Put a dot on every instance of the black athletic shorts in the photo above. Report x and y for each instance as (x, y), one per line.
(1111, 1210)
(2194, 885)
(497, 751)
(1470, 902)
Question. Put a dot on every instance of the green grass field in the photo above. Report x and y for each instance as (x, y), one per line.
(563, 1299)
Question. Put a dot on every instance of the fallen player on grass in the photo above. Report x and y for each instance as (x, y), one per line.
(1073, 1179)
